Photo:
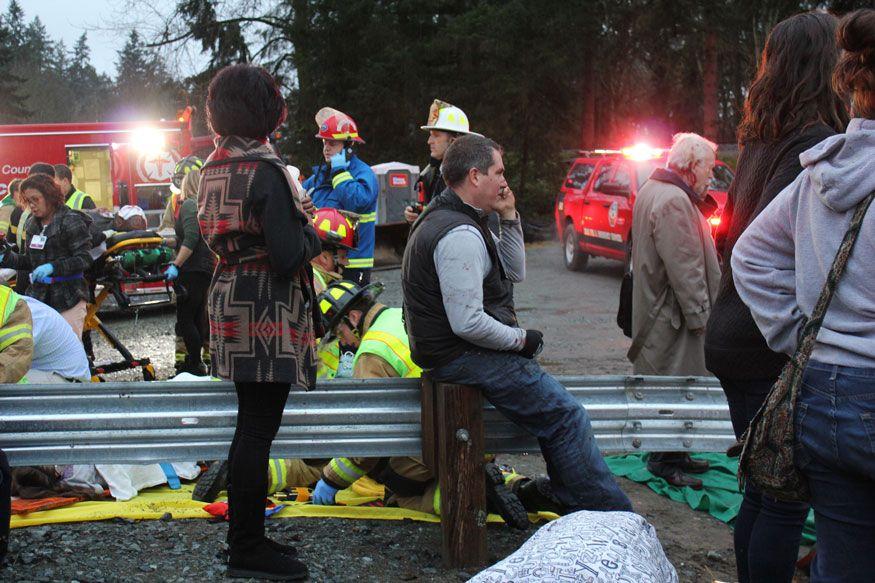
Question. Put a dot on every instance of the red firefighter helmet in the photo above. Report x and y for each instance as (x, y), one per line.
(334, 229)
(336, 125)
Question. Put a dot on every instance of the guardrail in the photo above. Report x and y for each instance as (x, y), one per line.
(125, 422)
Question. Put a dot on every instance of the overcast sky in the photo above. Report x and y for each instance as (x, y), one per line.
(107, 23)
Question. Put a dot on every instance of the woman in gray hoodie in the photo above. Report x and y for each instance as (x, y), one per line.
(780, 265)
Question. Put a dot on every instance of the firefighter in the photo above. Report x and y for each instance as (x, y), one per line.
(76, 199)
(344, 182)
(445, 123)
(8, 207)
(168, 222)
(377, 331)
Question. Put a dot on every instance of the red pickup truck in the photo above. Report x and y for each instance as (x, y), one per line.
(593, 209)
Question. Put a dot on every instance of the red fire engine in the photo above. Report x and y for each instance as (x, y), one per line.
(117, 163)
(593, 209)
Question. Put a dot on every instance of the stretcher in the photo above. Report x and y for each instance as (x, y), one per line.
(135, 257)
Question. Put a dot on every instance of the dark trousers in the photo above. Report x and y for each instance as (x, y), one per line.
(259, 413)
(5, 504)
(767, 530)
(360, 276)
(191, 308)
(835, 450)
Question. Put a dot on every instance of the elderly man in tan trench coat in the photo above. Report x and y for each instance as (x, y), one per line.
(677, 275)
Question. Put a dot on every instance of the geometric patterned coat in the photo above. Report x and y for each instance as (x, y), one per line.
(261, 325)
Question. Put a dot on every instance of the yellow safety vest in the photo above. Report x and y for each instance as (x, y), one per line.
(77, 199)
(328, 356)
(11, 334)
(387, 339)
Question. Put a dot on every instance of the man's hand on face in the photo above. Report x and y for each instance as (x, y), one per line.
(506, 205)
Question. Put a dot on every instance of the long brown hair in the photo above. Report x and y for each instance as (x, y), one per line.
(46, 186)
(792, 87)
(855, 72)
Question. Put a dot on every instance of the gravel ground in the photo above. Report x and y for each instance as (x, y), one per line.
(576, 312)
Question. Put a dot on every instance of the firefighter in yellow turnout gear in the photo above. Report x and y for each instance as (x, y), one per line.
(353, 314)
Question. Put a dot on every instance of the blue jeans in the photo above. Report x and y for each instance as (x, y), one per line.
(835, 449)
(535, 401)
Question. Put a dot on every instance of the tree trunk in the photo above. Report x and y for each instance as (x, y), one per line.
(709, 78)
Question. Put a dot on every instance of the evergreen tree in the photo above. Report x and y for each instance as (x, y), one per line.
(12, 107)
(143, 88)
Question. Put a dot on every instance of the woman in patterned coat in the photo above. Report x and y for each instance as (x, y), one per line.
(261, 298)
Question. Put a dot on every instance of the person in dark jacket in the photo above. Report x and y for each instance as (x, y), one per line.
(191, 269)
(791, 107)
(55, 250)
(261, 299)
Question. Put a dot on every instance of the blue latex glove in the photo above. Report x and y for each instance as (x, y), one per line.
(324, 494)
(171, 273)
(339, 161)
(42, 273)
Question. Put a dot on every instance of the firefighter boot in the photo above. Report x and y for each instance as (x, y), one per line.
(500, 500)
(251, 556)
(211, 482)
(536, 494)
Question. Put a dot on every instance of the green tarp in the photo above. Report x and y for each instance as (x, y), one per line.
(719, 497)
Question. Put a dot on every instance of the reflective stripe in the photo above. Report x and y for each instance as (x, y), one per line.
(22, 233)
(77, 199)
(436, 501)
(347, 470)
(400, 350)
(368, 217)
(341, 178)
(361, 263)
(329, 360)
(4, 226)
(277, 475)
(13, 334)
(387, 338)
(8, 299)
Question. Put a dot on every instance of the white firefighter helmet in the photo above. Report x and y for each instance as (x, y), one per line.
(448, 118)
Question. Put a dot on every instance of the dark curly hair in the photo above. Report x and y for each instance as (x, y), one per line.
(244, 100)
(855, 72)
(792, 87)
(45, 184)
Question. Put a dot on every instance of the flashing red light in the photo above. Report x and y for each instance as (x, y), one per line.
(641, 151)
(715, 221)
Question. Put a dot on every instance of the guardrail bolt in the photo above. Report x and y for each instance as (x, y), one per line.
(636, 443)
(636, 426)
(688, 425)
(639, 395)
(688, 443)
(463, 435)
(689, 396)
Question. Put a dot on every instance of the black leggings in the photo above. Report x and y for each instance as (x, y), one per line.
(191, 312)
(259, 413)
(5, 503)
(767, 531)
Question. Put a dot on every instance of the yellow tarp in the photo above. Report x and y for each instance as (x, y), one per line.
(153, 503)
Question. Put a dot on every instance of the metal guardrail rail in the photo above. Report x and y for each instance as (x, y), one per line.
(126, 422)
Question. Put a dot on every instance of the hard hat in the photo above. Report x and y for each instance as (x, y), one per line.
(335, 230)
(336, 125)
(183, 167)
(339, 298)
(448, 118)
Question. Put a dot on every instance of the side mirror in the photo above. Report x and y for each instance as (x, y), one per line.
(616, 189)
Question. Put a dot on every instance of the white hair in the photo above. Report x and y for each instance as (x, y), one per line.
(688, 149)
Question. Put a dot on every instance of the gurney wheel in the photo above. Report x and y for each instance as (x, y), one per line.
(148, 373)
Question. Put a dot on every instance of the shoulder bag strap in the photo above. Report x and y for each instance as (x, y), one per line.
(811, 326)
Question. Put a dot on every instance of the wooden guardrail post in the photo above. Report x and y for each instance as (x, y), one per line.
(453, 447)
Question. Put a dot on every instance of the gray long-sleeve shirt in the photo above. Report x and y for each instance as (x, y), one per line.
(462, 262)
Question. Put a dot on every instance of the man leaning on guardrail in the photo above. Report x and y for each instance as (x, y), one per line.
(457, 283)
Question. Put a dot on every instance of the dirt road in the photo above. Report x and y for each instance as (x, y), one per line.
(576, 313)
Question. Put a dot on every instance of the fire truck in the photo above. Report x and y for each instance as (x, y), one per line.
(117, 163)
(593, 209)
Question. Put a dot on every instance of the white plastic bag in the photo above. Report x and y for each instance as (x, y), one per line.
(587, 546)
